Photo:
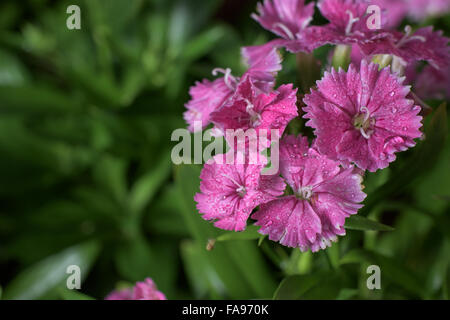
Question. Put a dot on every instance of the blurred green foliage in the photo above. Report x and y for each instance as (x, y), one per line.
(86, 176)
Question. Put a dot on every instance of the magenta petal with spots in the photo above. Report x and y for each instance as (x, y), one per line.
(207, 96)
(259, 111)
(362, 117)
(422, 44)
(348, 24)
(324, 196)
(264, 62)
(229, 192)
(287, 19)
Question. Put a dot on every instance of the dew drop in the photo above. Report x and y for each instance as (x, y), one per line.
(392, 93)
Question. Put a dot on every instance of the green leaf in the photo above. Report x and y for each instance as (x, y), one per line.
(319, 285)
(68, 294)
(46, 275)
(390, 269)
(146, 186)
(346, 294)
(365, 224)
(251, 233)
(203, 43)
(12, 71)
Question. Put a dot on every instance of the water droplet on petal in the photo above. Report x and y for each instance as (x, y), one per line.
(392, 93)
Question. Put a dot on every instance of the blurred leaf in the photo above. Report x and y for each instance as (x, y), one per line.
(146, 186)
(68, 294)
(250, 233)
(390, 268)
(299, 287)
(12, 72)
(365, 224)
(35, 100)
(203, 43)
(39, 279)
(347, 294)
(202, 277)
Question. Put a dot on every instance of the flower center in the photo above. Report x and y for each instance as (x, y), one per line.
(255, 117)
(304, 193)
(364, 123)
(240, 190)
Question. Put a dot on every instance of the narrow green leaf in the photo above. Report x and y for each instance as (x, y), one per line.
(50, 273)
(67, 294)
(365, 224)
(390, 269)
(320, 285)
(147, 185)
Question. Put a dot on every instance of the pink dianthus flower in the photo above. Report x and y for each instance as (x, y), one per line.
(207, 96)
(230, 191)
(362, 117)
(325, 194)
(145, 290)
(287, 19)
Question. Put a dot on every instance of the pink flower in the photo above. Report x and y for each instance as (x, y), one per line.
(362, 117)
(229, 192)
(287, 19)
(264, 62)
(423, 44)
(392, 12)
(145, 290)
(123, 294)
(348, 24)
(324, 195)
(260, 111)
(429, 83)
(207, 96)
(419, 10)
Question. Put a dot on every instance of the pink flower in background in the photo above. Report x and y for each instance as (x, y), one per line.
(419, 10)
(429, 83)
(145, 290)
(324, 195)
(362, 117)
(422, 44)
(347, 24)
(250, 109)
(123, 294)
(392, 12)
(264, 62)
(229, 192)
(287, 19)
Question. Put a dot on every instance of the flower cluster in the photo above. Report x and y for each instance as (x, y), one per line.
(145, 290)
(361, 117)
